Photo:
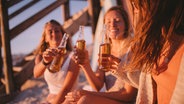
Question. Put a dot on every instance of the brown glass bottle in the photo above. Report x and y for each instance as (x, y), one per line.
(104, 51)
(81, 43)
(59, 58)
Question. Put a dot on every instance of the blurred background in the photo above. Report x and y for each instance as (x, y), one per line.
(29, 39)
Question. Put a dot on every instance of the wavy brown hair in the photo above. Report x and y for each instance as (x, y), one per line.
(44, 45)
(150, 39)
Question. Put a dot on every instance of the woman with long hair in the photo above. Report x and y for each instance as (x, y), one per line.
(158, 49)
(63, 81)
(118, 92)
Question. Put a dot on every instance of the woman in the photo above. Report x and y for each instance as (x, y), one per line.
(61, 82)
(117, 92)
(159, 48)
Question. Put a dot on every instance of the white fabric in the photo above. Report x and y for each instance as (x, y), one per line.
(55, 80)
(145, 91)
(129, 77)
(112, 82)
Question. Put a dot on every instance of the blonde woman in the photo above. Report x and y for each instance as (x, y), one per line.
(118, 91)
(61, 82)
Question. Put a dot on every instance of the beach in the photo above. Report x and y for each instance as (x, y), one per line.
(33, 91)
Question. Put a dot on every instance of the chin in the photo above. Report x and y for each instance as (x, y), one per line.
(113, 35)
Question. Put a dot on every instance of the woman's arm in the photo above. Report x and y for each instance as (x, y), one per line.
(70, 79)
(42, 61)
(96, 80)
(39, 67)
(128, 94)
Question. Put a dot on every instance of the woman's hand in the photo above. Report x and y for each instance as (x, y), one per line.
(48, 54)
(73, 97)
(109, 62)
(114, 61)
(81, 56)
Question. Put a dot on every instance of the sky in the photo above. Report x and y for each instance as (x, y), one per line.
(29, 39)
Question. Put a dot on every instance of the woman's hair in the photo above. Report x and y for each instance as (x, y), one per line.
(44, 45)
(150, 39)
(124, 15)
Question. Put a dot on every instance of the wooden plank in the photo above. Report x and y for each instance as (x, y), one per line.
(25, 74)
(94, 10)
(30, 21)
(81, 18)
(12, 2)
(119, 2)
(66, 11)
(23, 8)
(29, 57)
(17, 68)
(1, 64)
(8, 73)
(21, 77)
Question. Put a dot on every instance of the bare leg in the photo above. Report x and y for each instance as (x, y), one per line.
(91, 99)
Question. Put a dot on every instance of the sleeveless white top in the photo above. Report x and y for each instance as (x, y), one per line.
(55, 80)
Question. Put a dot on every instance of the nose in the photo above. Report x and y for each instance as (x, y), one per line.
(54, 35)
(112, 23)
(54, 32)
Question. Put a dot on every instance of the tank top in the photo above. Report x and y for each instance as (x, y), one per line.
(55, 80)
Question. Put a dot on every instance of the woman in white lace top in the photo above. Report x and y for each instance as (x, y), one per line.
(118, 92)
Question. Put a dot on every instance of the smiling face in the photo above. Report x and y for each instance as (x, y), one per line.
(53, 35)
(116, 25)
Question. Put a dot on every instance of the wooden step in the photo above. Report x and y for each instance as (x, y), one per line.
(17, 68)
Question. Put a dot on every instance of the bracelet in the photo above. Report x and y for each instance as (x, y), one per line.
(44, 63)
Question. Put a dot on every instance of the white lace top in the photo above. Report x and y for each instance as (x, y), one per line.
(55, 80)
(112, 83)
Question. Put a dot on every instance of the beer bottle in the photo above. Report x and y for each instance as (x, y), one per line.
(104, 50)
(80, 41)
(80, 44)
(59, 58)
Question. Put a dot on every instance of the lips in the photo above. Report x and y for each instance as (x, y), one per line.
(114, 30)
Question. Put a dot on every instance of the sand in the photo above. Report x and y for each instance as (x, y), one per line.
(34, 91)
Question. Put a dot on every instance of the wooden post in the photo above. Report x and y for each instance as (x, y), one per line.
(94, 10)
(7, 59)
(119, 2)
(65, 10)
(1, 65)
(1, 59)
